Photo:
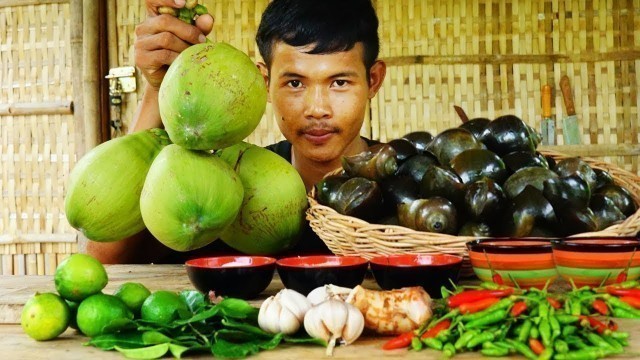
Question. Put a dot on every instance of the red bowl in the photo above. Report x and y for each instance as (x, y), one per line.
(527, 261)
(243, 277)
(431, 271)
(305, 273)
(595, 260)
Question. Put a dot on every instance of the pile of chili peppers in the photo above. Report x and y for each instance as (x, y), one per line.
(498, 320)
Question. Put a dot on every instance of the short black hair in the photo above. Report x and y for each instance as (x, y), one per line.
(330, 25)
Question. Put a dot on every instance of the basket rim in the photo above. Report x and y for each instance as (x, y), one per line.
(397, 229)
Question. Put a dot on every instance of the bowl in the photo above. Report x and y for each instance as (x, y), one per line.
(525, 261)
(243, 277)
(305, 273)
(431, 271)
(592, 261)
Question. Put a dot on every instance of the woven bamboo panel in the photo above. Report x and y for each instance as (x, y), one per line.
(37, 151)
(492, 57)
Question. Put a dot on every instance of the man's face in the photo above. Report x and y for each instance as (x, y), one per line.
(319, 99)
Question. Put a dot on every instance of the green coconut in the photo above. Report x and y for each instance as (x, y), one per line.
(189, 197)
(103, 193)
(212, 96)
(273, 210)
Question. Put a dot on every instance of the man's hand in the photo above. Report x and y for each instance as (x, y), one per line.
(160, 38)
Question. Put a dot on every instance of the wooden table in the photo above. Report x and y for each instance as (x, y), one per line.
(16, 290)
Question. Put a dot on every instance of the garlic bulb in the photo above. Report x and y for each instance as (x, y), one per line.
(284, 312)
(326, 292)
(334, 320)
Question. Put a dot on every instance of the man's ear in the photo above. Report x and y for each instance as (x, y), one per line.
(265, 75)
(376, 77)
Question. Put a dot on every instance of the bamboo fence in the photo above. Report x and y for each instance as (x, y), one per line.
(490, 57)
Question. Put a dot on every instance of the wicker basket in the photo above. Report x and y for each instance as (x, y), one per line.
(346, 235)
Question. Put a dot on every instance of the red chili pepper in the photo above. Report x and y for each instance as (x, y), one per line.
(474, 295)
(518, 308)
(612, 325)
(598, 325)
(623, 292)
(536, 346)
(631, 300)
(399, 342)
(435, 330)
(497, 278)
(472, 307)
(554, 302)
(600, 306)
(622, 277)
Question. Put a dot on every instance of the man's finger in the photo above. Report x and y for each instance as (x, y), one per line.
(153, 5)
(164, 40)
(168, 23)
(205, 23)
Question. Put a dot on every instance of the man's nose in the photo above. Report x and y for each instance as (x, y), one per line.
(317, 104)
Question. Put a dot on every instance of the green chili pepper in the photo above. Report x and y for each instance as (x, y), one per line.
(443, 335)
(584, 354)
(543, 309)
(488, 319)
(449, 350)
(464, 339)
(523, 335)
(576, 342)
(596, 340)
(555, 327)
(567, 306)
(522, 349)
(569, 330)
(200, 9)
(477, 340)
(503, 345)
(615, 302)
(534, 333)
(416, 344)
(566, 318)
(620, 335)
(546, 354)
(545, 332)
(444, 292)
(614, 344)
(575, 308)
(561, 346)
(624, 313)
(495, 352)
(628, 284)
(502, 304)
(490, 285)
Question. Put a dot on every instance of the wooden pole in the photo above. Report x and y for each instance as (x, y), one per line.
(75, 8)
(91, 73)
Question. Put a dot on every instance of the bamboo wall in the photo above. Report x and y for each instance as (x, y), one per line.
(37, 144)
(490, 57)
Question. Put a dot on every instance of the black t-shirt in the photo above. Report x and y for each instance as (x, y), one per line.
(309, 243)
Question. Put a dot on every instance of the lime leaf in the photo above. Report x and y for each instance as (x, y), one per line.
(149, 352)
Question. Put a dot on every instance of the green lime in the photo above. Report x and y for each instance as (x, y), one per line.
(162, 307)
(45, 316)
(133, 295)
(100, 310)
(79, 276)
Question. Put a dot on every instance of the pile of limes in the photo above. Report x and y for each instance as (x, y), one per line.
(81, 304)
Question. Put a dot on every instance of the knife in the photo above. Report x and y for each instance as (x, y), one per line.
(570, 129)
(548, 124)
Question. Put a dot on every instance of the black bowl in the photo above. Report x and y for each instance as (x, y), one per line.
(431, 271)
(305, 273)
(243, 277)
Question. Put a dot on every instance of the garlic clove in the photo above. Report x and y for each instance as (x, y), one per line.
(336, 315)
(294, 302)
(269, 315)
(353, 326)
(314, 326)
(288, 322)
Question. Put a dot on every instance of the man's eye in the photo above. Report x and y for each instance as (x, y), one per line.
(340, 83)
(295, 83)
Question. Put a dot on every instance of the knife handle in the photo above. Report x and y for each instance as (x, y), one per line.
(546, 101)
(565, 87)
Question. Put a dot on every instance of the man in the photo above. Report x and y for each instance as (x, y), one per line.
(321, 70)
